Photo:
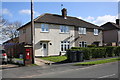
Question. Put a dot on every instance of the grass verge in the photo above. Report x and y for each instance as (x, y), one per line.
(98, 61)
(54, 58)
(18, 59)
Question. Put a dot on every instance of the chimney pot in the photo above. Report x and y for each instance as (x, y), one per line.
(118, 21)
(64, 13)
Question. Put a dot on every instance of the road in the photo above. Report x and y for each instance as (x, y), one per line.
(108, 70)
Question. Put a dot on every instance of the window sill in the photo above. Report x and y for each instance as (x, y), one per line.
(64, 32)
(44, 31)
(82, 34)
(63, 51)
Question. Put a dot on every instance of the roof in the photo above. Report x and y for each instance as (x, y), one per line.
(14, 40)
(58, 19)
(110, 26)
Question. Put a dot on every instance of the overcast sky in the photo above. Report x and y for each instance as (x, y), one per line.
(95, 12)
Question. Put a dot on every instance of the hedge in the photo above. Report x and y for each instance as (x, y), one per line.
(110, 51)
(87, 53)
(116, 51)
(98, 52)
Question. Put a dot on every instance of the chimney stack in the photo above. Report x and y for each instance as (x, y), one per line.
(64, 13)
(118, 21)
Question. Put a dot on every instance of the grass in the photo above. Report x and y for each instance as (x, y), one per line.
(18, 59)
(99, 61)
(55, 58)
(33, 65)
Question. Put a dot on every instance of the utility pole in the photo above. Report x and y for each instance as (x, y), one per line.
(32, 33)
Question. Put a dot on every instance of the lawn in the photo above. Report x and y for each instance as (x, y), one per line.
(99, 61)
(55, 58)
(18, 59)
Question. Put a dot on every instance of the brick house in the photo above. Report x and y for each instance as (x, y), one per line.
(111, 33)
(54, 34)
(14, 40)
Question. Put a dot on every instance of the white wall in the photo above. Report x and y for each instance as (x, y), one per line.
(54, 36)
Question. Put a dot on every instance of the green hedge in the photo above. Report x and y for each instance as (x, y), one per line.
(98, 52)
(87, 53)
(110, 51)
(117, 51)
(93, 45)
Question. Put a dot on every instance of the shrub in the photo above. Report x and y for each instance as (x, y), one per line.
(77, 47)
(109, 51)
(87, 53)
(117, 51)
(98, 52)
(93, 45)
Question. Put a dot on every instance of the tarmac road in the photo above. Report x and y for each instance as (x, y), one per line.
(108, 70)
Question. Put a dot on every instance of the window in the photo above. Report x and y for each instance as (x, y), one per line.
(83, 44)
(44, 27)
(82, 30)
(95, 31)
(65, 45)
(64, 29)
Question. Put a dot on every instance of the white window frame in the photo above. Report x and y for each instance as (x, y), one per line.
(96, 31)
(44, 28)
(82, 30)
(83, 44)
(64, 29)
(64, 45)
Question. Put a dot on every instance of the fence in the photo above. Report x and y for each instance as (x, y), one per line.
(19, 52)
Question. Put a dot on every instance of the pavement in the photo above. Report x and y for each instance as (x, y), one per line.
(42, 62)
(8, 66)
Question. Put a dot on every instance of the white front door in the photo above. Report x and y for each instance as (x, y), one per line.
(45, 48)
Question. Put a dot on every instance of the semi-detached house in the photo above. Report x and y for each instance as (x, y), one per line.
(54, 34)
(111, 33)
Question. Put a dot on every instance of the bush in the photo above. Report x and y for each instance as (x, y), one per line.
(87, 53)
(98, 52)
(93, 45)
(76, 47)
(109, 51)
(117, 51)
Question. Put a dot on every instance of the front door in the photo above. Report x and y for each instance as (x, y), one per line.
(45, 49)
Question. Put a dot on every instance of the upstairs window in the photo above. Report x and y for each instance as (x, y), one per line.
(64, 29)
(82, 30)
(44, 28)
(95, 31)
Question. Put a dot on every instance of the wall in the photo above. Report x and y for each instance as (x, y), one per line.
(89, 37)
(119, 37)
(110, 36)
(25, 37)
(53, 36)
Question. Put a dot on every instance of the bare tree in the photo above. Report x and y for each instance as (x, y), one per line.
(9, 31)
(2, 21)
